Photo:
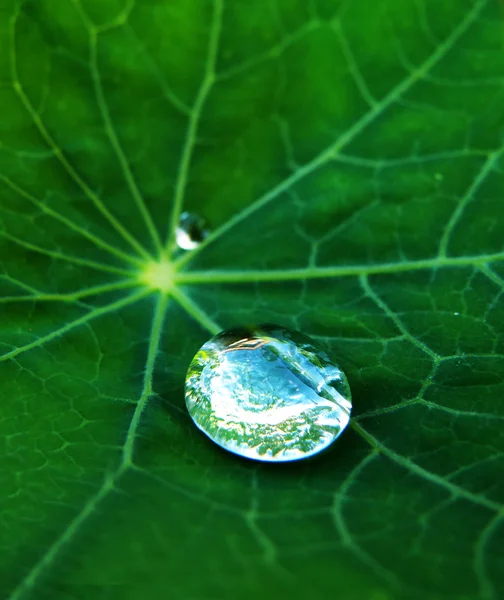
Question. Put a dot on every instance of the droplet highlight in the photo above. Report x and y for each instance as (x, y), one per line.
(191, 231)
(267, 393)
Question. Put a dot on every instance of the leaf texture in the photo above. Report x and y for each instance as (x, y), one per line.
(348, 158)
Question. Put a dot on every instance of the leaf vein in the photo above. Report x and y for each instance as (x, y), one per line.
(194, 120)
(93, 314)
(300, 274)
(346, 137)
(69, 223)
(84, 262)
(58, 153)
(111, 479)
(455, 490)
(116, 145)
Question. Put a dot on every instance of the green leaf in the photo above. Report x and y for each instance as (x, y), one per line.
(348, 158)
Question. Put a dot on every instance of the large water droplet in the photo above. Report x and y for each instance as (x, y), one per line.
(191, 231)
(267, 393)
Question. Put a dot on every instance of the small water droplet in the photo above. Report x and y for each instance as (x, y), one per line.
(267, 393)
(191, 231)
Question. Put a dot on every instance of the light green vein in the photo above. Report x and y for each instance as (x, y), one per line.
(418, 401)
(455, 490)
(209, 277)
(58, 153)
(69, 223)
(387, 163)
(470, 414)
(71, 296)
(195, 311)
(52, 552)
(154, 341)
(84, 262)
(386, 409)
(486, 587)
(486, 169)
(194, 119)
(18, 283)
(348, 136)
(91, 315)
(116, 145)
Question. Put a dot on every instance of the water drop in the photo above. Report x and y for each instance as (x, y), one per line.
(191, 231)
(267, 393)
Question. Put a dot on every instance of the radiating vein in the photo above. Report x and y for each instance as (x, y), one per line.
(58, 153)
(418, 401)
(455, 490)
(251, 276)
(68, 533)
(154, 341)
(92, 237)
(116, 145)
(194, 120)
(19, 283)
(93, 314)
(71, 296)
(414, 159)
(56, 254)
(195, 311)
(348, 136)
(108, 485)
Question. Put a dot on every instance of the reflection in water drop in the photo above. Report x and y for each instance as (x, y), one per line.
(191, 231)
(267, 393)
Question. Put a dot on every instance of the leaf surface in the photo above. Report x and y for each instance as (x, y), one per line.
(348, 159)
